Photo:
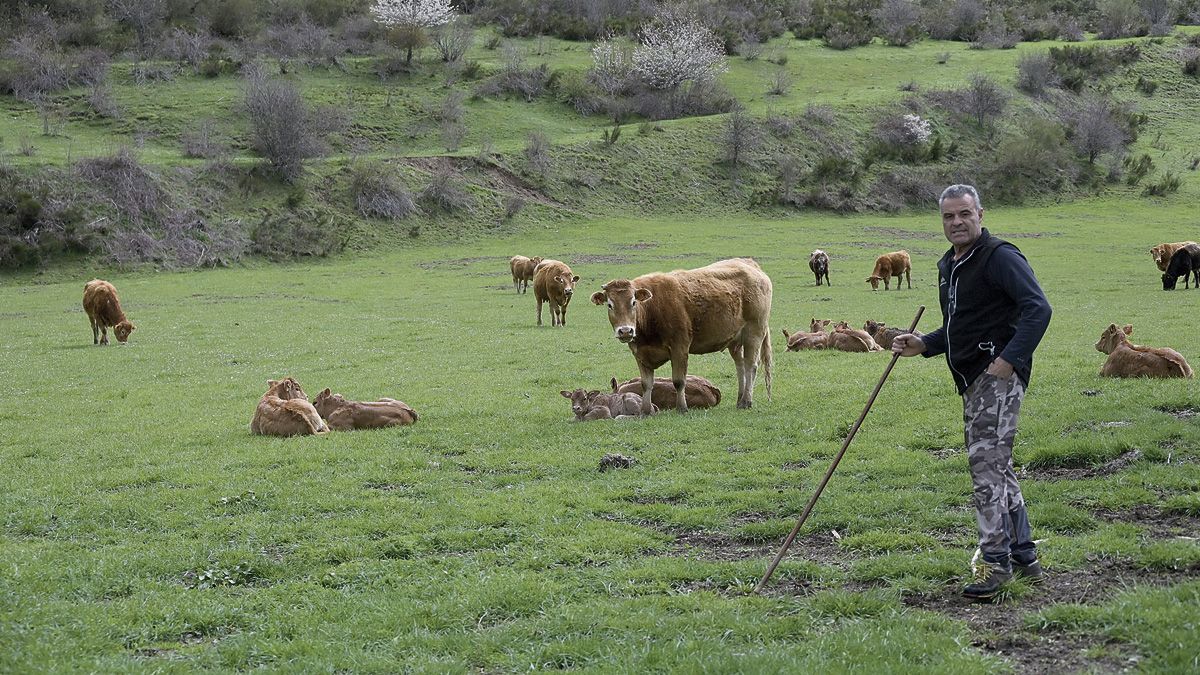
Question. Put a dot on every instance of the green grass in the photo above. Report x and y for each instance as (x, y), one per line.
(484, 536)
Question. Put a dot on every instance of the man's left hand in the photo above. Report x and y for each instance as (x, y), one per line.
(1000, 368)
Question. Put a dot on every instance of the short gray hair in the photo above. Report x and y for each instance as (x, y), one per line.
(960, 190)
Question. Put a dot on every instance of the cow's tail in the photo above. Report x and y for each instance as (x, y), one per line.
(767, 360)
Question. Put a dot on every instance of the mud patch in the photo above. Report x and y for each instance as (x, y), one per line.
(795, 466)
(637, 246)
(1158, 523)
(457, 263)
(1180, 412)
(1119, 463)
(615, 460)
(940, 452)
(897, 233)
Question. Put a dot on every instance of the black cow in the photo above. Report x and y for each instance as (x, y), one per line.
(1185, 261)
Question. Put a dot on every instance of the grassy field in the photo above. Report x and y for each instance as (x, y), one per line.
(145, 529)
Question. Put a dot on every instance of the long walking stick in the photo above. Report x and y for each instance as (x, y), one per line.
(828, 474)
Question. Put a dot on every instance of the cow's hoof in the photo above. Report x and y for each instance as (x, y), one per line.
(744, 405)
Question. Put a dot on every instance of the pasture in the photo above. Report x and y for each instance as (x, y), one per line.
(145, 529)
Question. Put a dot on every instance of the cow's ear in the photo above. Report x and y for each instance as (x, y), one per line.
(599, 297)
(642, 294)
(613, 382)
(565, 393)
(1128, 329)
(575, 279)
(272, 383)
(593, 394)
(786, 334)
(326, 392)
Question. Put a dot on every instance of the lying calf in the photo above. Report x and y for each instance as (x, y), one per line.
(592, 405)
(285, 411)
(343, 415)
(699, 392)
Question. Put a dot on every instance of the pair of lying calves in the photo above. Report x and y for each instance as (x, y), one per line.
(285, 411)
(625, 400)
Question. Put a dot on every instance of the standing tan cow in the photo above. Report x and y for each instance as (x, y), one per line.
(667, 316)
(553, 282)
(522, 271)
(888, 265)
(103, 308)
(1163, 252)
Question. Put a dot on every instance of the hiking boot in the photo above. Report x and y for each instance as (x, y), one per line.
(1031, 573)
(989, 577)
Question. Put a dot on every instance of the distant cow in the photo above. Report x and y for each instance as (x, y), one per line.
(103, 308)
(553, 282)
(890, 265)
(818, 339)
(343, 415)
(522, 271)
(1126, 359)
(593, 405)
(699, 392)
(667, 316)
(1183, 262)
(285, 411)
(818, 262)
(1163, 252)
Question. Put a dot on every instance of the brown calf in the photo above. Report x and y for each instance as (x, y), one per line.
(343, 415)
(867, 338)
(285, 411)
(817, 339)
(699, 392)
(104, 309)
(890, 265)
(553, 282)
(1126, 359)
(592, 405)
(522, 271)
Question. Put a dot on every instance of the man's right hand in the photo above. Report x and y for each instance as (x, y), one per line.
(908, 345)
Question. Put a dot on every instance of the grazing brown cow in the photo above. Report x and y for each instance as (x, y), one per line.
(592, 405)
(522, 271)
(890, 265)
(667, 316)
(817, 339)
(818, 262)
(699, 392)
(103, 308)
(553, 282)
(285, 411)
(1126, 359)
(343, 415)
(1163, 252)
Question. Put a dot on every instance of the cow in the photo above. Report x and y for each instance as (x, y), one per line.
(343, 415)
(103, 308)
(890, 265)
(285, 411)
(522, 271)
(592, 405)
(667, 316)
(884, 334)
(699, 392)
(818, 262)
(817, 339)
(1126, 359)
(1163, 252)
(553, 282)
(867, 339)
(1183, 262)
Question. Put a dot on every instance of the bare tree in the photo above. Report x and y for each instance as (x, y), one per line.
(39, 69)
(676, 48)
(899, 22)
(1035, 72)
(780, 82)
(284, 129)
(740, 137)
(453, 39)
(1096, 126)
(612, 66)
(984, 101)
(411, 18)
(145, 17)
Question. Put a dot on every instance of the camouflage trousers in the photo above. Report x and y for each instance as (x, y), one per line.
(990, 408)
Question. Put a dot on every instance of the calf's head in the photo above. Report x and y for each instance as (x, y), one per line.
(327, 402)
(287, 388)
(122, 331)
(622, 300)
(1112, 337)
(581, 401)
(872, 326)
(874, 281)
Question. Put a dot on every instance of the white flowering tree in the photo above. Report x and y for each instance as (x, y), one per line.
(676, 48)
(611, 66)
(410, 19)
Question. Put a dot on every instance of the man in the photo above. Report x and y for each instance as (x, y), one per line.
(993, 316)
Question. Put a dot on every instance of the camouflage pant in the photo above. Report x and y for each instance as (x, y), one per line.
(990, 408)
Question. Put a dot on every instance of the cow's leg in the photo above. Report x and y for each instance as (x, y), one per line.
(539, 310)
(563, 318)
(95, 331)
(679, 364)
(908, 278)
(739, 363)
(647, 375)
(750, 357)
(103, 333)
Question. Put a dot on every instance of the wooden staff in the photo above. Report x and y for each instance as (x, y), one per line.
(828, 474)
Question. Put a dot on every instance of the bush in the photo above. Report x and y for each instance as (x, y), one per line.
(446, 191)
(1164, 186)
(453, 40)
(127, 185)
(1033, 160)
(537, 153)
(1146, 86)
(36, 225)
(1035, 73)
(284, 129)
(203, 142)
(740, 137)
(1120, 19)
(1138, 168)
(1191, 63)
(185, 240)
(899, 22)
(378, 193)
(294, 234)
(1077, 66)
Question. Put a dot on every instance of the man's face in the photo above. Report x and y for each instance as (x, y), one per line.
(962, 221)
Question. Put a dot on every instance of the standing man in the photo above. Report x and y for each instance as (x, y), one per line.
(993, 316)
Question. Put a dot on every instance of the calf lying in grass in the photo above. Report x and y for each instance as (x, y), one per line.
(343, 415)
(1126, 359)
(592, 405)
(884, 334)
(818, 339)
(285, 411)
(699, 392)
(865, 337)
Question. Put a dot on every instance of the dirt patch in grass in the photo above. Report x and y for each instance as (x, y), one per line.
(897, 233)
(1158, 523)
(1179, 411)
(1118, 463)
(637, 246)
(599, 258)
(795, 466)
(460, 262)
(940, 452)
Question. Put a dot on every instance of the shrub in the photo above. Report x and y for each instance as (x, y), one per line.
(295, 234)
(185, 240)
(1191, 63)
(899, 22)
(446, 191)
(962, 21)
(740, 137)
(203, 142)
(102, 103)
(1138, 168)
(453, 40)
(1119, 19)
(537, 153)
(1033, 160)
(513, 204)
(515, 78)
(1035, 73)
(378, 193)
(1096, 125)
(128, 186)
(1146, 86)
(902, 136)
(996, 35)
(1164, 186)
(780, 83)
(284, 129)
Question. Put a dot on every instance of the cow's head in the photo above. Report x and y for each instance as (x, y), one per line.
(872, 326)
(326, 402)
(1112, 337)
(536, 259)
(1156, 252)
(818, 325)
(1169, 281)
(122, 331)
(874, 281)
(581, 401)
(567, 283)
(622, 300)
(287, 388)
